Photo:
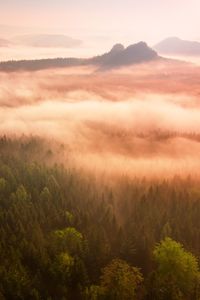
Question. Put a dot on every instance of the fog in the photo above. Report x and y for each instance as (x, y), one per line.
(140, 121)
(15, 52)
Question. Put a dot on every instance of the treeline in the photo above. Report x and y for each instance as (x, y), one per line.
(40, 64)
(66, 234)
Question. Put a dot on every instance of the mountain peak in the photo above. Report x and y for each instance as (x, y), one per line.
(139, 44)
(172, 39)
(117, 48)
(177, 46)
(120, 56)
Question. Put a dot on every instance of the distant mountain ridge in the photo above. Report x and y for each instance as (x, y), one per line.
(118, 56)
(177, 46)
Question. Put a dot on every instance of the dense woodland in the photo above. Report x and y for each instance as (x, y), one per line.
(66, 234)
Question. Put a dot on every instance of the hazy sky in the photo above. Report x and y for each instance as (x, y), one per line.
(148, 20)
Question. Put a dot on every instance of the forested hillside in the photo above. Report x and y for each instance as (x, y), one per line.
(66, 234)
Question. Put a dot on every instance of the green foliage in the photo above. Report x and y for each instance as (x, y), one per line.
(69, 217)
(21, 194)
(63, 266)
(2, 185)
(177, 270)
(93, 292)
(60, 227)
(69, 239)
(120, 281)
(15, 281)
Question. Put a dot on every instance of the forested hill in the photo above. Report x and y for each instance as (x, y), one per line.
(116, 57)
(65, 236)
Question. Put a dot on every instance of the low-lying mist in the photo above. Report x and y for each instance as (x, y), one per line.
(141, 121)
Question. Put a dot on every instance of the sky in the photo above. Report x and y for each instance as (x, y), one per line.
(127, 20)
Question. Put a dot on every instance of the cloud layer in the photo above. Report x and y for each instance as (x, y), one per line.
(141, 121)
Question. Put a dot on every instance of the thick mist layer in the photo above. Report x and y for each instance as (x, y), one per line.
(141, 121)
